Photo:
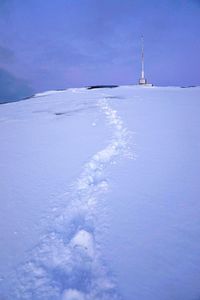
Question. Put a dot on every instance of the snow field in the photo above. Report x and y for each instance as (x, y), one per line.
(67, 262)
(123, 229)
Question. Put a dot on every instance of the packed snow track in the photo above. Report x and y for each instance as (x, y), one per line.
(67, 264)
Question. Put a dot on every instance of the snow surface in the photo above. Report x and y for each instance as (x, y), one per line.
(99, 195)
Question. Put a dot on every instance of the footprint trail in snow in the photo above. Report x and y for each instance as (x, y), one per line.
(67, 263)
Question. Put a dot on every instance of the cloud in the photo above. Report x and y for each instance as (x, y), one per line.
(4, 3)
(12, 88)
(196, 2)
(79, 42)
(4, 6)
(6, 55)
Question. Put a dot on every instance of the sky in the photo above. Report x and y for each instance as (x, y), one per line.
(47, 45)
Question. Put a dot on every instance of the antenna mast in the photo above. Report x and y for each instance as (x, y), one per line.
(142, 45)
(142, 79)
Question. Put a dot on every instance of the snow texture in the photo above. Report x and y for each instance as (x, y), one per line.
(67, 263)
(78, 220)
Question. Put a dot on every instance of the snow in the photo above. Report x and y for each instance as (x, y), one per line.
(72, 295)
(83, 240)
(99, 195)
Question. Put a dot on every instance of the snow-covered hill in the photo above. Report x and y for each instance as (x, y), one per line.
(99, 195)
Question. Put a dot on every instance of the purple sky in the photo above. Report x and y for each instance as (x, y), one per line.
(48, 44)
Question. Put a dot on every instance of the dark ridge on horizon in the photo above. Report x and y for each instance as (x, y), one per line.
(26, 98)
(101, 86)
(17, 100)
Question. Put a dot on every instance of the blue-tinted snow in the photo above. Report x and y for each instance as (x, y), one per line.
(100, 195)
(155, 243)
(66, 262)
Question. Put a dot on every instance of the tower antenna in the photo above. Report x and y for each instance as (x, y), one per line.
(142, 79)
